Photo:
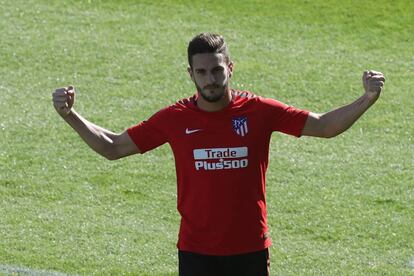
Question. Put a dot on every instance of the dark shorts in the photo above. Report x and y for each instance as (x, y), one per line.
(250, 264)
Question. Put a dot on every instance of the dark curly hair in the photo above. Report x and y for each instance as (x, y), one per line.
(207, 43)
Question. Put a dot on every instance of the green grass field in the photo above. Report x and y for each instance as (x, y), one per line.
(343, 206)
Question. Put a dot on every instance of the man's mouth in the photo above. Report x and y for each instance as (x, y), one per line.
(211, 87)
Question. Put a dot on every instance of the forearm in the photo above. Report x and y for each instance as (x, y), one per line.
(97, 138)
(339, 120)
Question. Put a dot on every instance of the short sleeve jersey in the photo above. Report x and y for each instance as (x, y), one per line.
(221, 160)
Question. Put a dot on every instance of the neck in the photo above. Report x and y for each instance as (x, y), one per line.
(215, 106)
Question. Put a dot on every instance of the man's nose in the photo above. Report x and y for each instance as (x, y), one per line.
(211, 78)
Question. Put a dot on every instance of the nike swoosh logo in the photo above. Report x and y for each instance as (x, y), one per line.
(189, 131)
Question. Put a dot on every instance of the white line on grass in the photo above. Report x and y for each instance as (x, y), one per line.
(13, 270)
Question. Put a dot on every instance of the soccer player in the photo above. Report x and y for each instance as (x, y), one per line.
(220, 141)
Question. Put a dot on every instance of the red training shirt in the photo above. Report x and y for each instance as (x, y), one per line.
(221, 160)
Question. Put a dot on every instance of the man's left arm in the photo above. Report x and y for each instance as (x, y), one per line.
(334, 122)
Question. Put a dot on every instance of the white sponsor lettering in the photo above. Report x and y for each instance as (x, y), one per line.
(216, 153)
(221, 164)
(225, 158)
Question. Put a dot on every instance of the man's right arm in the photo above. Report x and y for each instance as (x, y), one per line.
(108, 144)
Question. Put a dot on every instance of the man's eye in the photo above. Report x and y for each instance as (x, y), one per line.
(200, 72)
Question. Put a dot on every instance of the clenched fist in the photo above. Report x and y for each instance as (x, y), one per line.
(373, 83)
(63, 100)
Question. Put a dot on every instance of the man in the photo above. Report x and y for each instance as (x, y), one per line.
(220, 140)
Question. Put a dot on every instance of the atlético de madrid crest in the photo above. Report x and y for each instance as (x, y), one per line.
(240, 125)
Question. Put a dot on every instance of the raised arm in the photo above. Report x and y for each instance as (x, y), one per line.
(335, 122)
(108, 144)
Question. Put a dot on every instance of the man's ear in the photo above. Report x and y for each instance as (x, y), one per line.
(190, 71)
(230, 66)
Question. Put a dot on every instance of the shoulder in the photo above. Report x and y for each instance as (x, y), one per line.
(243, 97)
(183, 104)
(173, 113)
(177, 107)
(242, 94)
(271, 102)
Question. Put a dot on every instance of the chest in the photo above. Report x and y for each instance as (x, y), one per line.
(241, 127)
(225, 133)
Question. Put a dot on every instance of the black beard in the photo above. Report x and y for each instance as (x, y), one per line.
(211, 98)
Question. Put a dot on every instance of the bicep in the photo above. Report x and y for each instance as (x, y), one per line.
(314, 126)
(124, 145)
